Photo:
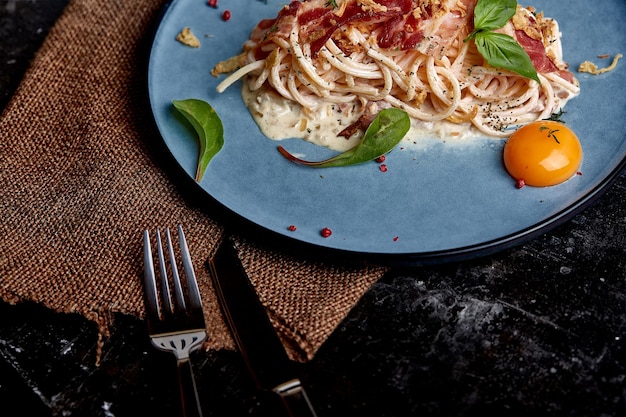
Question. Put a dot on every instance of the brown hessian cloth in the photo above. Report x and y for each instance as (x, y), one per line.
(80, 183)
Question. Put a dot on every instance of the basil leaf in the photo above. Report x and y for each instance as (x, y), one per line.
(207, 125)
(382, 135)
(502, 51)
(493, 14)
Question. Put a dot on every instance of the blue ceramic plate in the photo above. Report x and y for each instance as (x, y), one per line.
(437, 201)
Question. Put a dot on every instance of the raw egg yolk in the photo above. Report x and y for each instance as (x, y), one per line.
(543, 153)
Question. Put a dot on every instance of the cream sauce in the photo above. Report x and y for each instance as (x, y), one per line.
(279, 118)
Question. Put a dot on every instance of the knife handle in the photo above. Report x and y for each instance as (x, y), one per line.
(295, 399)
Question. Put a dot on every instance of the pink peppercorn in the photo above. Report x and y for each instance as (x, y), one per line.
(383, 168)
(226, 15)
(326, 232)
(213, 3)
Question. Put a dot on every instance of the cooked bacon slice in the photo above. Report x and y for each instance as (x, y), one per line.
(361, 124)
(536, 51)
(445, 24)
(427, 25)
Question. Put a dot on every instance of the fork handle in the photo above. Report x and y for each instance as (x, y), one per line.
(188, 391)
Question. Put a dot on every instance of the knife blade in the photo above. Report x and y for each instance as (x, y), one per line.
(263, 352)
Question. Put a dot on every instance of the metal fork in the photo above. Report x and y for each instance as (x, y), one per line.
(175, 325)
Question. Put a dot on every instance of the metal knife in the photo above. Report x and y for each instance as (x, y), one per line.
(262, 350)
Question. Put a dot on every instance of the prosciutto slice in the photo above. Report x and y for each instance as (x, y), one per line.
(429, 26)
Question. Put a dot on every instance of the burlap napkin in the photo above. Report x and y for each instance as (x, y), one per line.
(80, 181)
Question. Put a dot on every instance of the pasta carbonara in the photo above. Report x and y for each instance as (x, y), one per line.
(323, 69)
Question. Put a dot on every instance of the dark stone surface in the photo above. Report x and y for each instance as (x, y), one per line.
(534, 330)
(23, 26)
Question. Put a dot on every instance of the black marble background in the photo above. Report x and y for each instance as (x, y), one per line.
(535, 330)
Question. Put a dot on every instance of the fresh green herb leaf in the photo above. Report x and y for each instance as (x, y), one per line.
(207, 125)
(502, 51)
(493, 14)
(332, 3)
(557, 117)
(382, 135)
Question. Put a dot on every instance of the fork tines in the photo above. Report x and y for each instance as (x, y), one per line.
(177, 325)
(172, 300)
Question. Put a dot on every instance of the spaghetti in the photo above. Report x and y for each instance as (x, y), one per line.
(363, 55)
